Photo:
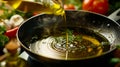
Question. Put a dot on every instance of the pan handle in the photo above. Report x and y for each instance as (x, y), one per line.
(115, 15)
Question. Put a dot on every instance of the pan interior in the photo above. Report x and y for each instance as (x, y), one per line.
(77, 43)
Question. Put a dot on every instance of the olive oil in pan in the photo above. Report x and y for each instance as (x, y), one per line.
(77, 43)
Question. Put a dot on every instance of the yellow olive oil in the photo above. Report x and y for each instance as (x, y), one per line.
(77, 43)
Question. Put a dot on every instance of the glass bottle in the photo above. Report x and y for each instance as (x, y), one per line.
(53, 6)
(11, 57)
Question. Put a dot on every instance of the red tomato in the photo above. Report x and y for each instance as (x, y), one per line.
(98, 6)
(12, 32)
(69, 7)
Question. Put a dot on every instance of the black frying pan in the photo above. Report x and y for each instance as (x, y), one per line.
(42, 23)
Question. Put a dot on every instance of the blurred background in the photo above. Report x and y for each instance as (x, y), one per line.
(112, 4)
(104, 7)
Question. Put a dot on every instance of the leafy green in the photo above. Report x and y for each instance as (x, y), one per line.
(3, 39)
(3, 7)
(8, 13)
(2, 29)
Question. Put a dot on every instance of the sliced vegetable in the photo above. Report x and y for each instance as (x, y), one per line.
(2, 29)
(3, 39)
(12, 32)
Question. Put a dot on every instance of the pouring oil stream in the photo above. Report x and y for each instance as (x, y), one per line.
(57, 7)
